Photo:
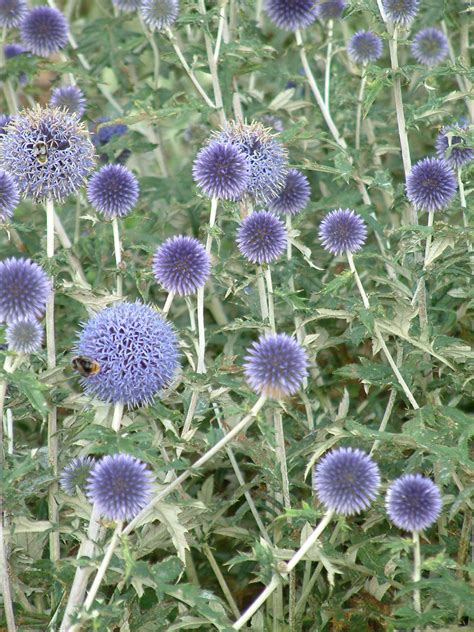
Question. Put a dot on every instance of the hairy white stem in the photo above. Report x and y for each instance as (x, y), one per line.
(262, 293)
(360, 102)
(220, 30)
(212, 222)
(416, 570)
(428, 239)
(167, 305)
(212, 62)
(5, 580)
(117, 416)
(271, 308)
(118, 256)
(201, 364)
(327, 74)
(281, 456)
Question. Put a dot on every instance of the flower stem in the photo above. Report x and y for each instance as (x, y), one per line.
(118, 256)
(327, 75)
(262, 294)
(117, 416)
(201, 364)
(212, 222)
(167, 305)
(416, 570)
(462, 201)
(5, 581)
(156, 53)
(212, 62)
(360, 101)
(428, 239)
(221, 580)
(271, 308)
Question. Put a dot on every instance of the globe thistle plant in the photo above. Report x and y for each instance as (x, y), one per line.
(401, 12)
(13, 49)
(261, 237)
(294, 196)
(431, 185)
(106, 131)
(413, 502)
(276, 366)
(44, 31)
(113, 191)
(181, 265)
(12, 13)
(346, 481)
(128, 6)
(136, 350)
(24, 335)
(452, 147)
(24, 289)
(221, 171)
(159, 14)
(119, 486)
(365, 46)
(330, 9)
(70, 98)
(342, 230)
(75, 474)
(48, 152)
(291, 15)
(429, 47)
(9, 195)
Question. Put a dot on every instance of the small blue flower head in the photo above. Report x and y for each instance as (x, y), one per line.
(429, 47)
(76, 474)
(69, 97)
(267, 158)
(413, 502)
(24, 335)
(261, 237)
(365, 46)
(137, 352)
(128, 6)
(330, 9)
(431, 185)
(105, 132)
(9, 195)
(12, 12)
(159, 14)
(276, 366)
(342, 230)
(24, 289)
(113, 191)
(221, 170)
(119, 486)
(401, 12)
(291, 15)
(346, 481)
(294, 196)
(48, 152)
(453, 147)
(44, 31)
(13, 49)
(181, 265)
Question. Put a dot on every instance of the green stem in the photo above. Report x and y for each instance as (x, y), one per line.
(118, 256)
(416, 571)
(360, 102)
(327, 74)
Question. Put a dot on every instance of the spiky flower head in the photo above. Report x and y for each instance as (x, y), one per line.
(294, 196)
(24, 335)
(267, 157)
(12, 12)
(44, 31)
(341, 230)
(221, 171)
(128, 6)
(48, 152)
(330, 9)
(261, 237)
(365, 46)
(75, 474)
(401, 12)
(431, 185)
(106, 131)
(69, 97)
(276, 366)
(13, 49)
(24, 289)
(113, 191)
(137, 352)
(429, 47)
(291, 15)
(453, 147)
(9, 195)
(159, 14)
(181, 265)
(346, 480)
(413, 502)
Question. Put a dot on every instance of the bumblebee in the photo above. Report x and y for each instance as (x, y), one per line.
(40, 152)
(85, 366)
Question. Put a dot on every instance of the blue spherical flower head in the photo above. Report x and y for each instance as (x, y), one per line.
(181, 265)
(13, 49)
(346, 481)
(9, 195)
(342, 230)
(159, 14)
(365, 46)
(70, 98)
(267, 158)
(48, 152)
(24, 335)
(113, 191)
(137, 352)
(76, 474)
(12, 12)
(452, 147)
(401, 12)
(221, 171)
(431, 185)
(44, 31)
(24, 289)
(128, 6)
(429, 47)
(276, 366)
(330, 9)
(291, 15)
(261, 237)
(413, 502)
(294, 196)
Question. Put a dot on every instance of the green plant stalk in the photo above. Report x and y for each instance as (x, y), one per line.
(428, 238)
(327, 74)
(156, 53)
(416, 571)
(221, 580)
(118, 257)
(212, 62)
(167, 305)
(360, 103)
(5, 581)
